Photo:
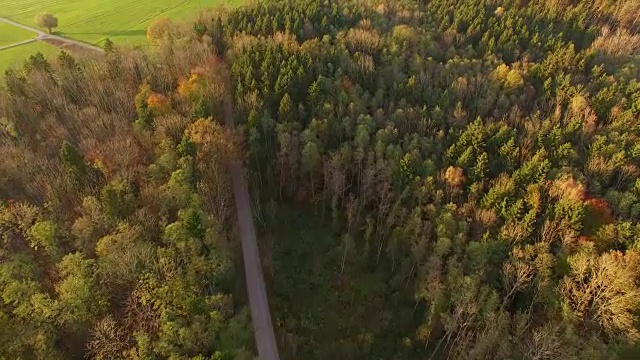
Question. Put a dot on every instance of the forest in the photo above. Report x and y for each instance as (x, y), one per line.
(434, 179)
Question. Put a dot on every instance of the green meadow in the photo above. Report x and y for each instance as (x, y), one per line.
(14, 56)
(93, 21)
(10, 34)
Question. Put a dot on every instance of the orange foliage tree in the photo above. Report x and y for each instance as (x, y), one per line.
(159, 104)
(213, 141)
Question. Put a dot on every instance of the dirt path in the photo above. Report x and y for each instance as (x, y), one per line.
(54, 39)
(18, 44)
(256, 289)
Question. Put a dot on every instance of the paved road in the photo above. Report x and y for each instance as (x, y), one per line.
(46, 36)
(257, 291)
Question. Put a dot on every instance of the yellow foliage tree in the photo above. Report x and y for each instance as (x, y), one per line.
(159, 29)
(454, 176)
(192, 85)
(213, 141)
(601, 290)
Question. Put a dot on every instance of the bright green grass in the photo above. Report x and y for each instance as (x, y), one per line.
(15, 56)
(10, 34)
(123, 21)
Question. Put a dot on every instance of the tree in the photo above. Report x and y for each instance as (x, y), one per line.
(466, 173)
(108, 46)
(107, 339)
(454, 176)
(601, 291)
(47, 21)
(80, 173)
(159, 29)
(78, 295)
(43, 234)
(37, 62)
(118, 199)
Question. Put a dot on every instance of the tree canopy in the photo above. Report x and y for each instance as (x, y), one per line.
(47, 21)
(431, 180)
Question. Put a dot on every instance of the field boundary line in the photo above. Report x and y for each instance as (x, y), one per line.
(43, 36)
(6, 47)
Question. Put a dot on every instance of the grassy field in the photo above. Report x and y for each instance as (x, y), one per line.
(92, 21)
(10, 34)
(15, 56)
(123, 21)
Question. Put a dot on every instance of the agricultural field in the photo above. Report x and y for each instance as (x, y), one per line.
(91, 21)
(10, 34)
(123, 21)
(14, 56)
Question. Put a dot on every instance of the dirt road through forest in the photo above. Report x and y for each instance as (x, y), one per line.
(256, 288)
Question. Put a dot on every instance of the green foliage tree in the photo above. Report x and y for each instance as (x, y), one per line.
(80, 173)
(79, 298)
(108, 46)
(47, 21)
(466, 173)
